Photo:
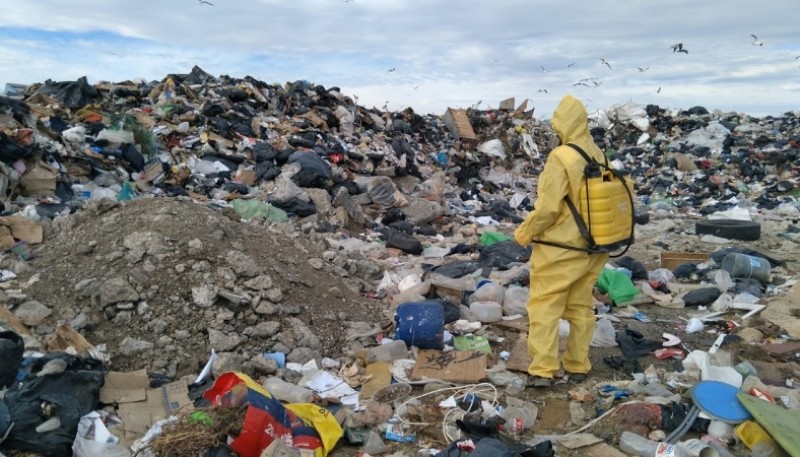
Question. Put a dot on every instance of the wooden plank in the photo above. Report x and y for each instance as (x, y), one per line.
(520, 324)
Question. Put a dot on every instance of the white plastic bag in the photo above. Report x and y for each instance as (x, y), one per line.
(493, 148)
(604, 335)
(95, 440)
(515, 301)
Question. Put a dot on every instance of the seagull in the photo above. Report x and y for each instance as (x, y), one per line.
(416, 87)
(542, 91)
(798, 57)
(604, 62)
(597, 83)
(391, 70)
(756, 42)
(204, 1)
(642, 70)
(678, 47)
(543, 70)
(581, 83)
(659, 90)
(571, 65)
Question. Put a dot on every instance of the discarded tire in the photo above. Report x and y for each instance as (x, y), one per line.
(729, 229)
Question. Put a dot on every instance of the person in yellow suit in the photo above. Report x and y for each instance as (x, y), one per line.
(561, 280)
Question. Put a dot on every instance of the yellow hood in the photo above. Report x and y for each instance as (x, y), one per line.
(570, 120)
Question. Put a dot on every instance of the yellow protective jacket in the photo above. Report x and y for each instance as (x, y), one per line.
(551, 219)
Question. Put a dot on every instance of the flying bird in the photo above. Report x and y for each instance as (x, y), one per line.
(659, 90)
(391, 70)
(605, 62)
(542, 91)
(571, 65)
(678, 47)
(416, 87)
(205, 2)
(756, 42)
(581, 83)
(642, 70)
(543, 69)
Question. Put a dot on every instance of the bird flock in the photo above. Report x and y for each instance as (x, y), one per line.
(677, 48)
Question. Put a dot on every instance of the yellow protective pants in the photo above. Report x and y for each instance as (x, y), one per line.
(561, 288)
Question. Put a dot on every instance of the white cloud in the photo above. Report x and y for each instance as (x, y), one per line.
(455, 53)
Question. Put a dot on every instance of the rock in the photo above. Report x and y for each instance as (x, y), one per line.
(222, 342)
(266, 308)
(117, 290)
(303, 335)
(302, 355)
(263, 366)
(205, 295)
(226, 361)
(236, 299)
(421, 211)
(140, 244)
(577, 415)
(262, 282)
(321, 199)
(195, 245)
(336, 292)
(316, 264)
(123, 318)
(265, 329)
(133, 346)
(242, 264)
(32, 313)
(274, 295)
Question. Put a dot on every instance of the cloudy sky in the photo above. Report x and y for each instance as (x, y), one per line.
(429, 54)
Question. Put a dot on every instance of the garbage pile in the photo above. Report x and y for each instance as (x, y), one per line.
(220, 266)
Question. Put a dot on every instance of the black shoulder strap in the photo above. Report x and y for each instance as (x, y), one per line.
(582, 227)
(586, 156)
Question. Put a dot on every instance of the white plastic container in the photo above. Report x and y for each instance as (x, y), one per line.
(288, 392)
(487, 311)
(488, 292)
(388, 352)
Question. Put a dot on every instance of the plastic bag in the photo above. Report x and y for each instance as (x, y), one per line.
(604, 334)
(502, 254)
(403, 242)
(286, 190)
(73, 394)
(515, 301)
(11, 349)
(493, 148)
(617, 285)
(488, 292)
(251, 209)
(490, 238)
(95, 440)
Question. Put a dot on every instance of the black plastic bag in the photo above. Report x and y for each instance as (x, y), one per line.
(72, 394)
(11, 349)
(314, 172)
(702, 297)
(263, 152)
(74, 94)
(634, 345)
(457, 269)
(717, 256)
(500, 255)
(132, 155)
(266, 171)
(297, 206)
(403, 241)
(11, 151)
(638, 270)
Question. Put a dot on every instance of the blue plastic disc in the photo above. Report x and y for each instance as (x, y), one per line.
(718, 400)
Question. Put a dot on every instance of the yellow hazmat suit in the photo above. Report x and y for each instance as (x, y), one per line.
(561, 279)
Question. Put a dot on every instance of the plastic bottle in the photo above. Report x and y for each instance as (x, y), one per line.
(638, 445)
(487, 311)
(288, 392)
(388, 352)
(517, 420)
(746, 266)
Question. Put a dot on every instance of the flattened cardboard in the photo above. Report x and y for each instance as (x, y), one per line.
(453, 366)
(125, 387)
(6, 240)
(519, 360)
(24, 229)
(381, 377)
(521, 324)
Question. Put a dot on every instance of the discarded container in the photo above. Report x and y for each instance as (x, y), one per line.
(638, 445)
(746, 369)
(388, 352)
(288, 392)
(420, 324)
(487, 311)
(671, 260)
(752, 434)
(746, 266)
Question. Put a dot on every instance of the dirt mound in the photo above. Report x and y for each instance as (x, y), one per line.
(162, 281)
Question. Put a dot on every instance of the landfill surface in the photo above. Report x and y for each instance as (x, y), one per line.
(215, 230)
